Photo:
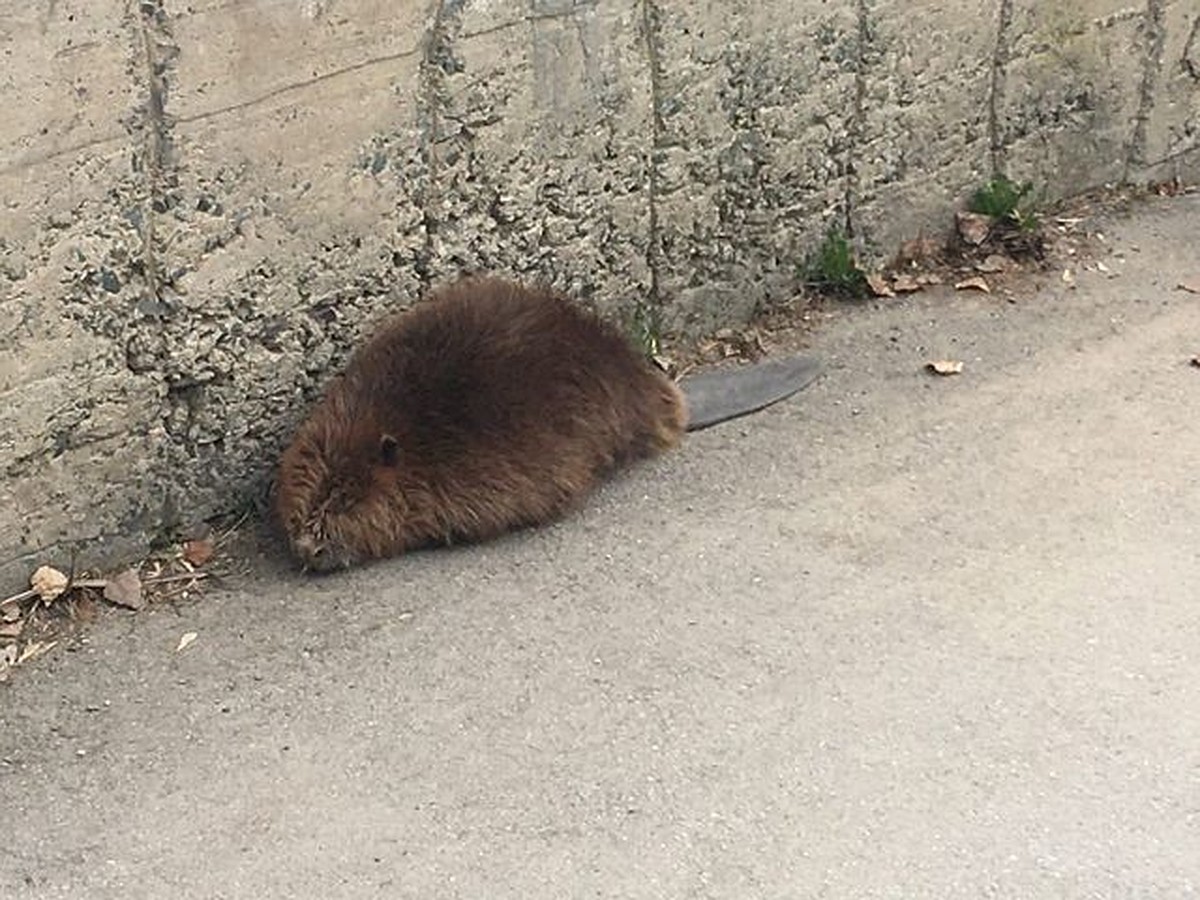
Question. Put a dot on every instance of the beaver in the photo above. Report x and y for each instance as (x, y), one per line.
(488, 407)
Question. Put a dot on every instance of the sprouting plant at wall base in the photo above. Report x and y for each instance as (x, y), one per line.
(833, 267)
(645, 328)
(1004, 199)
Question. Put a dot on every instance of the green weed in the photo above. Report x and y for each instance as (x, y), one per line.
(1004, 199)
(833, 268)
(645, 328)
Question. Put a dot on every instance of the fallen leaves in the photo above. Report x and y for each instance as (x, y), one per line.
(983, 246)
(125, 589)
(185, 640)
(1191, 285)
(879, 285)
(882, 285)
(920, 251)
(48, 583)
(973, 284)
(906, 284)
(945, 366)
(32, 620)
(973, 228)
(198, 552)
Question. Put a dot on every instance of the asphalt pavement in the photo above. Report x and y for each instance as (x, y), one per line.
(901, 636)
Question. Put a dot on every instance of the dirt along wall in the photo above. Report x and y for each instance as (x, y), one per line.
(204, 203)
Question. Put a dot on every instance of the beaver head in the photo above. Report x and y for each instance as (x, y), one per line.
(338, 494)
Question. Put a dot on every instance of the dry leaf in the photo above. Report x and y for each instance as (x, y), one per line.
(945, 366)
(974, 228)
(199, 551)
(917, 250)
(125, 589)
(879, 286)
(905, 284)
(1191, 285)
(10, 613)
(973, 284)
(48, 582)
(186, 639)
(1068, 278)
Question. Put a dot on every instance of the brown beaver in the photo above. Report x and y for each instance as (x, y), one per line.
(488, 407)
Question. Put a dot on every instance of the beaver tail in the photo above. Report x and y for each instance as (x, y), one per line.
(725, 394)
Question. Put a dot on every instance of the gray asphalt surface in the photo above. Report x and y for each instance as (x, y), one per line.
(899, 637)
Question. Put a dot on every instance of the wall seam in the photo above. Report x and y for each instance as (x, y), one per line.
(158, 50)
(432, 104)
(856, 127)
(1191, 51)
(651, 29)
(999, 85)
(1153, 30)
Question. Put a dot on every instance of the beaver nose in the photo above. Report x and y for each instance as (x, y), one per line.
(318, 556)
(310, 550)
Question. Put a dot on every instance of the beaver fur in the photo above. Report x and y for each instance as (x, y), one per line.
(488, 407)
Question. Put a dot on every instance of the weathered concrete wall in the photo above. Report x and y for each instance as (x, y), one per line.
(205, 202)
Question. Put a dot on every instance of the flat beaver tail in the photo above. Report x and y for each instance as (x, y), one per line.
(725, 394)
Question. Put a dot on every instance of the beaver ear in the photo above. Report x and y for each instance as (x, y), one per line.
(389, 451)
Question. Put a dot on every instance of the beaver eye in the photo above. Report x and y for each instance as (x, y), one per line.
(389, 451)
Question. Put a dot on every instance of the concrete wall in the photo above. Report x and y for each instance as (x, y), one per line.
(205, 202)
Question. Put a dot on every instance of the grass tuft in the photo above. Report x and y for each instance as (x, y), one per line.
(833, 268)
(1004, 199)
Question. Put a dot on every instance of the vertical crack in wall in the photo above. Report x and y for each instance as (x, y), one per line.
(856, 128)
(996, 94)
(651, 33)
(1154, 33)
(159, 51)
(1191, 51)
(433, 102)
(585, 50)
